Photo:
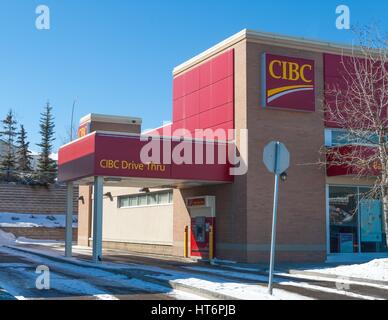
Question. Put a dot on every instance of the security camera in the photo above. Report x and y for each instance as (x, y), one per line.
(284, 176)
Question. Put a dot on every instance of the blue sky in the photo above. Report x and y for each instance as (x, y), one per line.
(116, 56)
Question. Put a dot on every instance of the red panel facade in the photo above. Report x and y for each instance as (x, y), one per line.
(333, 77)
(77, 149)
(205, 91)
(120, 156)
(76, 160)
(336, 69)
(334, 169)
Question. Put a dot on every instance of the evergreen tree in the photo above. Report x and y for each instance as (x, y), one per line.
(47, 167)
(7, 164)
(23, 152)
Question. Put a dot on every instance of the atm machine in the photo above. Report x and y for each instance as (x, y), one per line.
(203, 218)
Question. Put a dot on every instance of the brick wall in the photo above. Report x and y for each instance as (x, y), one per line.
(35, 199)
(41, 233)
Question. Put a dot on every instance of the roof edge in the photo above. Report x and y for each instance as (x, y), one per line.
(110, 118)
(267, 38)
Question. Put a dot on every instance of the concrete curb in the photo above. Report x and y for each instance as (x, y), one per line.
(338, 277)
(189, 289)
(314, 274)
(164, 283)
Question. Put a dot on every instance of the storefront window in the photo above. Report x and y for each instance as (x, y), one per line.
(341, 137)
(373, 237)
(356, 221)
(343, 219)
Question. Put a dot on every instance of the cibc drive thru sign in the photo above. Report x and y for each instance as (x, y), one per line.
(277, 160)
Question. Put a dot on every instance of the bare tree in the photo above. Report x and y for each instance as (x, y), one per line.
(358, 103)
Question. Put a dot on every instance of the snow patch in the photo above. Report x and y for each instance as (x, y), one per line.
(241, 291)
(26, 220)
(41, 242)
(6, 238)
(373, 270)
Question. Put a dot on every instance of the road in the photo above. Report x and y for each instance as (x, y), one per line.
(18, 278)
(126, 279)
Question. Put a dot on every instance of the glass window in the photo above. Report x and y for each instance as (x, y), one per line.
(124, 202)
(164, 198)
(343, 206)
(133, 201)
(152, 199)
(170, 195)
(142, 200)
(356, 221)
(373, 237)
(338, 137)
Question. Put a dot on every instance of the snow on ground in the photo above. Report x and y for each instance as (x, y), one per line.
(233, 288)
(216, 281)
(76, 286)
(182, 295)
(236, 289)
(230, 288)
(9, 239)
(6, 238)
(300, 284)
(337, 291)
(26, 220)
(373, 270)
(41, 242)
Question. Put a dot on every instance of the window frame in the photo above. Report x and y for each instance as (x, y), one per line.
(148, 204)
(329, 139)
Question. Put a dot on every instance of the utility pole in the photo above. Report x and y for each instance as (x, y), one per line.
(72, 120)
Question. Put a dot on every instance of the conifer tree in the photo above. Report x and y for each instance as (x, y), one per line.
(23, 152)
(8, 161)
(47, 167)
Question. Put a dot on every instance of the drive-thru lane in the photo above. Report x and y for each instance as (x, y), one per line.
(18, 278)
(127, 274)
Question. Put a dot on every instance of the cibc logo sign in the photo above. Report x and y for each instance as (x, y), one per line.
(288, 83)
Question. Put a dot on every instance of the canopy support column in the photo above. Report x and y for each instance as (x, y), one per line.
(69, 219)
(97, 218)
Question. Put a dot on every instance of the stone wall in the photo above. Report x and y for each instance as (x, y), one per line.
(40, 233)
(35, 199)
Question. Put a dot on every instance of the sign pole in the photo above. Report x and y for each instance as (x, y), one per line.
(276, 158)
(275, 209)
